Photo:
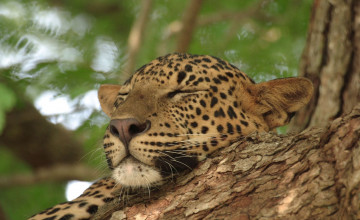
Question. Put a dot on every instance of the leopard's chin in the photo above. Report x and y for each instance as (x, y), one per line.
(132, 173)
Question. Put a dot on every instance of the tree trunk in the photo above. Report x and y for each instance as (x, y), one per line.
(331, 59)
(311, 175)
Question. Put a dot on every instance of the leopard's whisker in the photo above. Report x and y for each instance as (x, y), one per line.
(173, 159)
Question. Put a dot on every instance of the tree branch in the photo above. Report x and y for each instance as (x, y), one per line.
(237, 16)
(51, 174)
(176, 27)
(136, 37)
(188, 25)
(46, 144)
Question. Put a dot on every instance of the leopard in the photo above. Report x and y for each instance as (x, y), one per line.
(173, 113)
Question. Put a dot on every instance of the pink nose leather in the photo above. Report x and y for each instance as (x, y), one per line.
(126, 129)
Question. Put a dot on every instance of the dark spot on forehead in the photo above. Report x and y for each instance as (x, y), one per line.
(204, 129)
(202, 103)
(223, 78)
(216, 80)
(188, 68)
(198, 111)
(219, 113)
(229, 74)
(215, 67)
(214, 88)
(181, 76)
(214, 100)
(206, 60)
(191, 78)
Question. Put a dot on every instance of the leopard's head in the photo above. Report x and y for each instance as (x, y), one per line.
(179, 108)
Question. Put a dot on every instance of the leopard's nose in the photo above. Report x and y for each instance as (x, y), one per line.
(127, 129)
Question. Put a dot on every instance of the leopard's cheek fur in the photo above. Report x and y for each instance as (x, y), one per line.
(114, 150)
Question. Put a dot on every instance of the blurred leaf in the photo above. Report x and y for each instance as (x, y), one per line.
(19, 202)
(7, 101)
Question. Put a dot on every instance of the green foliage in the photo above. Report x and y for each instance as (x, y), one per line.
(22, 202)
(7, 101)
(10, 164)
(63, 47)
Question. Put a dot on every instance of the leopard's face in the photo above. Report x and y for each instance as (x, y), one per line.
(179, 108)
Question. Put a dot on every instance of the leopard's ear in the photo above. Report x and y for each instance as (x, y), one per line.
(107, 96)
(278, 100)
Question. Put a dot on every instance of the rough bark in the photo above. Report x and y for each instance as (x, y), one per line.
(37, 141)
(331, 60)
(311, 175)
